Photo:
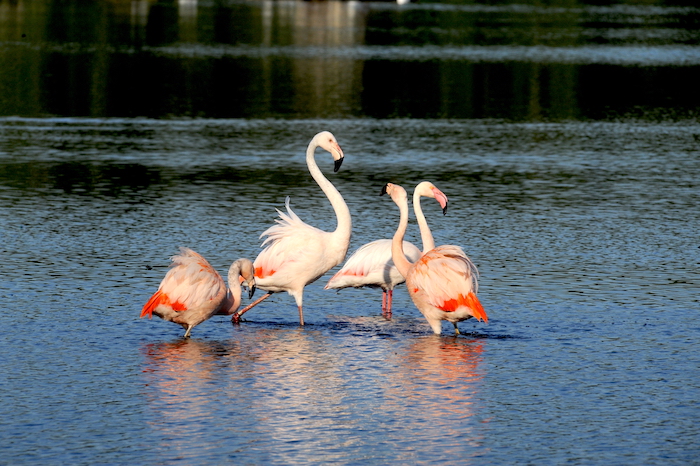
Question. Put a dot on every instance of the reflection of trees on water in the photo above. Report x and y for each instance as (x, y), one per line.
(330, 59)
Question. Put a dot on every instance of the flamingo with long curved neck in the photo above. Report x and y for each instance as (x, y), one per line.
(295, 253)
(193, 291)
(371, 264)
(443, 282)
(427, 189)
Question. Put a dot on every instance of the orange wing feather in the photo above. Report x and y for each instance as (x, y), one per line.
(156, 300)
(152, 303)
(439, 271)
(470, 301)
(262, 273)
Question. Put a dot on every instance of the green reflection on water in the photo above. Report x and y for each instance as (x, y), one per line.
(526, 61)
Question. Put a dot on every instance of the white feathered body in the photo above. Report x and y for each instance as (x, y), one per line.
(371, 266)
(296, 254)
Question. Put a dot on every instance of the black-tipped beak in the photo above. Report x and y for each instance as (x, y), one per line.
(251, 292)
(444, 210)
(384, 189)
(337, 165)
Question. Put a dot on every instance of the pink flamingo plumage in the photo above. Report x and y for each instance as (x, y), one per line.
(295, 253)
(193, 291)
(371, 265)
(443, 282)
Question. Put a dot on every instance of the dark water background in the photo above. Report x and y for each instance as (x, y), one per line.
(564, 133)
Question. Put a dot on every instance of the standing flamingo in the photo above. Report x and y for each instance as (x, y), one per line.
(296, 253)
(192, 291)
(371, 264)
(443, 282)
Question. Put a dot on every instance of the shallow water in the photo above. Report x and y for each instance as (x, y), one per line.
(585, 235)
(577, 201)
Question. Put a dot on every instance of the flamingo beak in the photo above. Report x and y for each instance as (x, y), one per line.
(442, 199)
(338, 155)
(384, 191)
(251, 288)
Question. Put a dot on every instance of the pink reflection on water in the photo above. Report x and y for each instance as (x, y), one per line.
(184, 394)
(438, 386)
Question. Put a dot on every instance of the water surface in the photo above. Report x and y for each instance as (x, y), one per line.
(565, 136)
(584, 234)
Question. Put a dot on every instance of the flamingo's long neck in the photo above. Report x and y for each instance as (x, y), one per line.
(397, 255)
(233, 297)
(344, 229)
(425, 233)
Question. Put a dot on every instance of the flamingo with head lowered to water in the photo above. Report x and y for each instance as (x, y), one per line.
(193, 291)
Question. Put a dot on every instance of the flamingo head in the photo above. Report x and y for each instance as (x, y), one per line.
(428, 189)
(327, 141)
(396, 192)
(246, 275)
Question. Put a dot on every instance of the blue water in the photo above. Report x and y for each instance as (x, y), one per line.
(565, 135)
(585, 235)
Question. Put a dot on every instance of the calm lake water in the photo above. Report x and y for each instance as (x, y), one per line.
(565, 136)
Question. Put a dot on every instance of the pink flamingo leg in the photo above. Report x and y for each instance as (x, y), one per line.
(237, 315)
(390, 298)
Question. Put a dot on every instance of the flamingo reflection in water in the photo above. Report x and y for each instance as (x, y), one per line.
(438, 381)
(179, 377)
(284, 382)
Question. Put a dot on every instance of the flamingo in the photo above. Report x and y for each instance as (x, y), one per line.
(443, 282)
(371, 264)
(193, 291)
(295, 253)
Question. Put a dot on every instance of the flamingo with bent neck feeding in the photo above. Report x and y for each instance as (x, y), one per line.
(295, 253)
(193, 291)
(443, 283)
(371, 265)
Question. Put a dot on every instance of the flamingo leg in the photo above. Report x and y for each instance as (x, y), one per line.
(456, 329)
(187, 333)
(301, 316)
(383, 302)
(389, 300)
(237, 315)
